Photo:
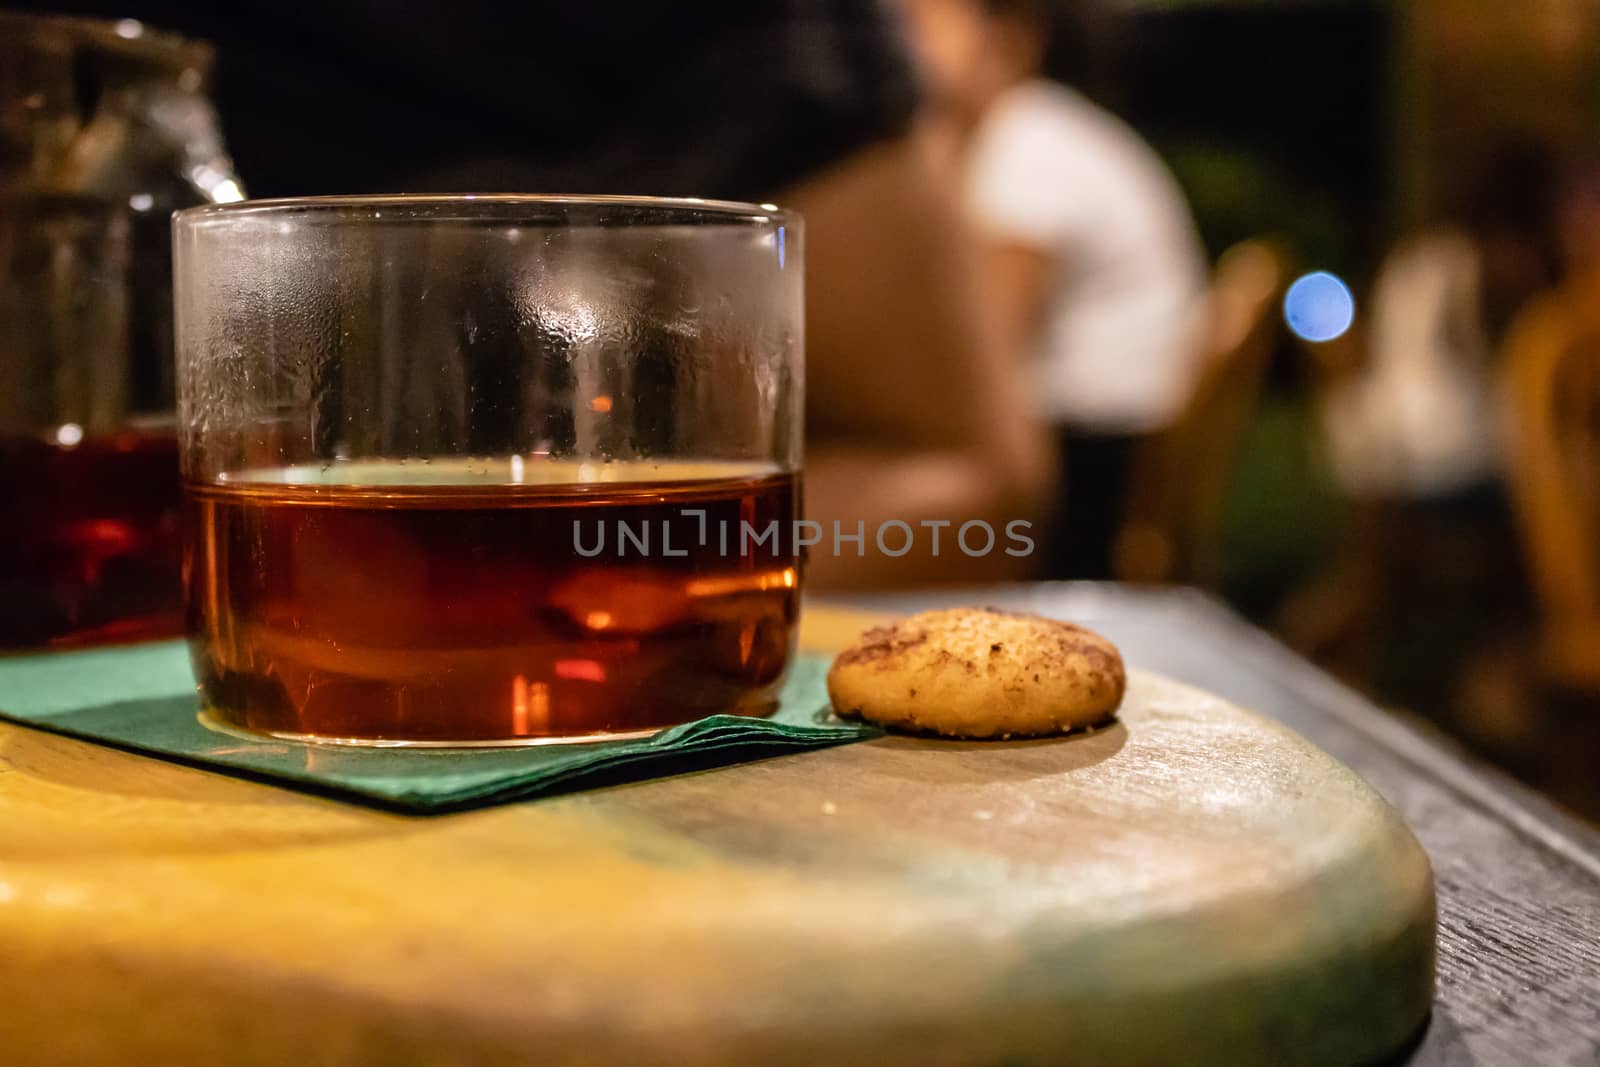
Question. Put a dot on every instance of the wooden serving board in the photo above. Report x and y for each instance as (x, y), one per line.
(1195, 884)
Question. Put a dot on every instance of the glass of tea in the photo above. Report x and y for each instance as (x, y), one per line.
(488, 469)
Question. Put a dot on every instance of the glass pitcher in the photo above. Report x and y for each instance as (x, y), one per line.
(105, 130)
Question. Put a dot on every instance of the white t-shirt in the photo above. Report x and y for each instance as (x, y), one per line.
(1053, 170)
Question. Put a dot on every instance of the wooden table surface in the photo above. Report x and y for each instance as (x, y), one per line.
(1518, 883)
(1518, 880)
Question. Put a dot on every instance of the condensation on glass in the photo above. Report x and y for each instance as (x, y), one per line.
(464, 470)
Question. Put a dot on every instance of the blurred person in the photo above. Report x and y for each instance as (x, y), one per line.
(1416, 421)
(911, 412)
(1430, 590)
(1092, 262)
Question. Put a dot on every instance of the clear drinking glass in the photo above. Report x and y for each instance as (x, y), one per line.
(488, 469)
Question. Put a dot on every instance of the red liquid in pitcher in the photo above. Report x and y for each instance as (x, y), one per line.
(89, 539)
(375, 607)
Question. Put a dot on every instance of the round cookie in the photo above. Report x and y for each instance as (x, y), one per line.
(979, 672)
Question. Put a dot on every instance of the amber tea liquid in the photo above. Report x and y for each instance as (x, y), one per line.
(89, 538)
(490, 601)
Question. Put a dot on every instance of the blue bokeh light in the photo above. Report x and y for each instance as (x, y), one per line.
(1319, 306)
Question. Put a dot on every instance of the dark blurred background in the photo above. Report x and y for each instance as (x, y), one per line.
(1276, 117)
(1349, 131)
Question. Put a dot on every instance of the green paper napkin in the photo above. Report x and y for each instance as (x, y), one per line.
(142, 698)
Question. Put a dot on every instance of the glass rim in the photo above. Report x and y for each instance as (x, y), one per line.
(422, 207)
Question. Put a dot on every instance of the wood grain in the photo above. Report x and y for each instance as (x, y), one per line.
(1195, 882)
(1518, 880)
